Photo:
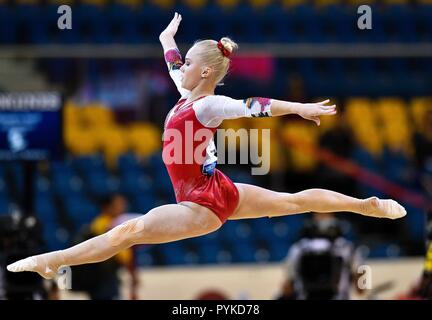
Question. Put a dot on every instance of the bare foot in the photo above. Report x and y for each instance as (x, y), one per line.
(45, 264)
(380, 208)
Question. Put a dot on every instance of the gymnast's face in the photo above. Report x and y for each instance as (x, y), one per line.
(193, 70)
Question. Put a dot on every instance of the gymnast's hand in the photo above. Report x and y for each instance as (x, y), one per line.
(171, 29)
(312, 111)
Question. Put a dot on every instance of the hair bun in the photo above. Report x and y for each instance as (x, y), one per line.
(228, 44)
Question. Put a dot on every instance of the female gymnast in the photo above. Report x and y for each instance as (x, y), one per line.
(205, 197)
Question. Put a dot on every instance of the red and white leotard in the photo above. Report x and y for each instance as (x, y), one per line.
(189, 151)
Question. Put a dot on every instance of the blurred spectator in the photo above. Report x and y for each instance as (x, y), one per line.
(425, 286)
(322, 264)
(101, 281)
(422, 289)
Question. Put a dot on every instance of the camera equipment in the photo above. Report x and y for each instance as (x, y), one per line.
(20, 237)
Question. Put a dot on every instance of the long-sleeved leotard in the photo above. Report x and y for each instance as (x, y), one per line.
(195, 178)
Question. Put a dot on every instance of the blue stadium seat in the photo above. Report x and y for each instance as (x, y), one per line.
(4, 204)
(211, 23)
(15, 172)
(208, 239)
(172, 253)
(88, 164)
(417, 84)
(365, 159)
(175, 253)
(118, 23)
(398, 23)
(151, 20)
(136, 183)
(385, 250)
(79, 209)
(128, 163)
(303, 24)
(3, 189)
(209, 253)
(424, 22)
(243, 24)
(144, 256)
(160, 174)
(64, 179)
(227, 231)
(416, 222)
(143, 202)
(8, 25)
(289, 226)
(318, 71)
(98, 181)
(134, 177)
(92, 23)
(55, 237)
(270, 22)
(32, 24)
(278, 250)
(243, 231)
(243, 252)
(262, 255)
(263, 229)
(101, 184)
(395, 166)
(122, 24)
(60, 69)
(336, 24)
(45, 207)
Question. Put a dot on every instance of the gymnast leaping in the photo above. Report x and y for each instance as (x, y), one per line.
(206, 197)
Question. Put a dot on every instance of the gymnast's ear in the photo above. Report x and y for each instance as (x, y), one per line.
(206, 72)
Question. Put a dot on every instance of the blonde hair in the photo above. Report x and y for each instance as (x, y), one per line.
(212, 56)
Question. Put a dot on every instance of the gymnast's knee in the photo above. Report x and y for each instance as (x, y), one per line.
(127, 233)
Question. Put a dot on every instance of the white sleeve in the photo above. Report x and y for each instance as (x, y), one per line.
(212, 110)
(174, 62)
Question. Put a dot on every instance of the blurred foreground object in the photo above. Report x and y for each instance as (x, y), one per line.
(20, 237)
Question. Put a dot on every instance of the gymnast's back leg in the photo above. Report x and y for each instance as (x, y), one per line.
(162, 224)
